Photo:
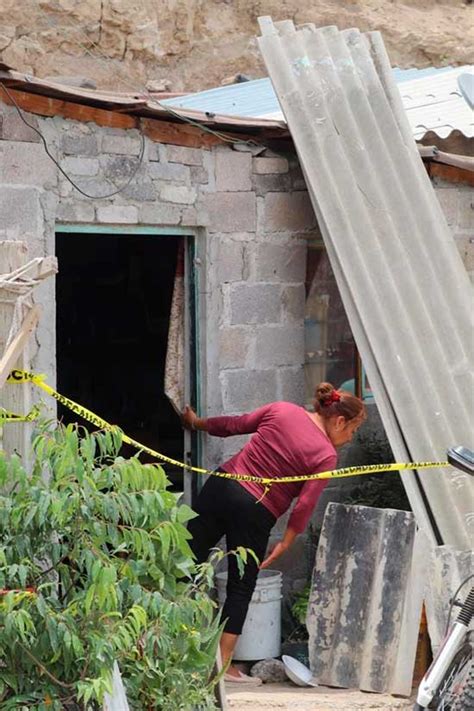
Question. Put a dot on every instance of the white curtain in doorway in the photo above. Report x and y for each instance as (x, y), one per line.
(174, 366)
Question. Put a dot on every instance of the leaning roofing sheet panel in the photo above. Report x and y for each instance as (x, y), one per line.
(405, 288)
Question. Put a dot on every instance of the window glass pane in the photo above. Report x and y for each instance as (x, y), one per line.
(330, 353)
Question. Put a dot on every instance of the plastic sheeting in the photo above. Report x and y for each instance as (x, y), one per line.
(117, 701)
(404, 287)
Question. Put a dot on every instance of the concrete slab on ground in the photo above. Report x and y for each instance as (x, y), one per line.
(287, 697)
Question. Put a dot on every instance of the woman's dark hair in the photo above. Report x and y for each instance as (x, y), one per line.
(330, 402)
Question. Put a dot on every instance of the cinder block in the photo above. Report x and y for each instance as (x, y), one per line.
(179, 194)
(97, 186)
(76, 212)
(254, 303)
(280, 345)
(139, 192)
(272, 183)
(287, 212)
(245, 390)
(465, 245)
(448, 199)
(231, 212)
(159, 214)
(182, 154)
(79, 145)
(153, 151)
(234, 346)
(230, 261)
(279, 262)
(169, 171)
(119, 168)
(74, 165)
(202, 213)
(121, 145)
(21, 213)
(126, 214)
(293, 302)
(198, 175)
(291, 385)
(466, 210)
(233, 171)
(189, 217)
(14, 129)
(26, 164)
(297, 178)
(263, 166)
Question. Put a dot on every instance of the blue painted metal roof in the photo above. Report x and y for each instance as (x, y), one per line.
(409, 74)
(257, 98)
(249, 98)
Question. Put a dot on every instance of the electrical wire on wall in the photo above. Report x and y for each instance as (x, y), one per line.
(61, 170)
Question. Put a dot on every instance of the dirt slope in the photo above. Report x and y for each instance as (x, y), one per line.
(196, 44)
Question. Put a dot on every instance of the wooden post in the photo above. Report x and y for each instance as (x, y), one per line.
(17, 398)
(22, 275)
(220, 694)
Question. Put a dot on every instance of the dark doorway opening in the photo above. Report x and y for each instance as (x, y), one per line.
(113, 295)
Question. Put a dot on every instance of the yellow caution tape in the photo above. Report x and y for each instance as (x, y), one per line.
(22, 376)
(8, 416)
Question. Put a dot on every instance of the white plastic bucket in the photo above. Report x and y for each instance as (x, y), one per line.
(261, 635)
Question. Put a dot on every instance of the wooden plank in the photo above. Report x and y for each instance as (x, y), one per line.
(45, 106)
(36, 269)
(16, 437)
(451, 173)
(15, 349)
(179, 134)
(184, 134)
(220, 693)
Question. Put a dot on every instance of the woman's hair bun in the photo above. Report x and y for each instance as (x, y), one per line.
(323, 392)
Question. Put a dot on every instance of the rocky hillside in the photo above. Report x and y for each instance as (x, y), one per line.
(196, 44)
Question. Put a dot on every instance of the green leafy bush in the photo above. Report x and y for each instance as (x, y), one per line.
(299, 607)
(94, 553)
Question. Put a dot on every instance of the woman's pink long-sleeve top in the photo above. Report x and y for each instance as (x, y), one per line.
(286, 442)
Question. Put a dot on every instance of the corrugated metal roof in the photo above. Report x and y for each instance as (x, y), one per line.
(401, 75)
(437, 104)
(249, 98)
(431, 97)
(405, 289)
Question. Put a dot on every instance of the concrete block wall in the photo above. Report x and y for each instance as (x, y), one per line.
(258, 221)
(250, 214)
(457, 203)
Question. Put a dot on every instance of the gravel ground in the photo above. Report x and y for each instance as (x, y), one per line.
(286, 697)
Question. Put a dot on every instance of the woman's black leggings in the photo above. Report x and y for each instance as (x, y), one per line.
(226, 508)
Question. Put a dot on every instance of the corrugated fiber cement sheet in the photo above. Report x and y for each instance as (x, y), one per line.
(404, 286)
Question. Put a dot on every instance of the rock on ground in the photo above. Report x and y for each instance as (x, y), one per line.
(270, 671)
